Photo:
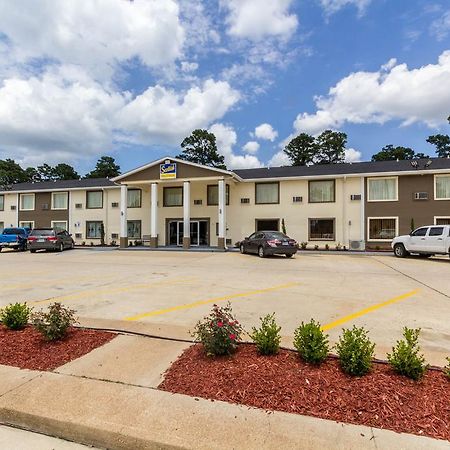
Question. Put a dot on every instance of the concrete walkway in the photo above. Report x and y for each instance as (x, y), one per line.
(109, 399)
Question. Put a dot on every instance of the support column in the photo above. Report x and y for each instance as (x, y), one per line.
(363, 212)
(186, 214)
(222, 191)
(123, 216)
(154, 216)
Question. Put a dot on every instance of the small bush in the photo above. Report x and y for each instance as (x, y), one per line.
(338, 246)
(311, 342)
(447, 369)
(303, 245)
(15, 316)
(355, 351)
(219, 332)
(327, 247)
(267, 338)
(54, 323)
(405, 358)
(316, 247)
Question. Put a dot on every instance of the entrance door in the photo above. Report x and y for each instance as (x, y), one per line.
(198, 232)
(195, 237)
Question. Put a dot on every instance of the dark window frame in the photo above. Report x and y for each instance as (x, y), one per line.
(94, 207)
(165, 189)
(326, 179)
(2, 204)
(140, 198)
(227, 194)
(333, 219)
(267, 203)
(87, 228)
(140, 228)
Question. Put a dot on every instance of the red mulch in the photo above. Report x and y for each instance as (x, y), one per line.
(283, 382)
(27, 348)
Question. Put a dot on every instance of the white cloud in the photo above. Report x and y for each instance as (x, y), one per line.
(265, 131)
(279, 159)
(332, 6)
(95, 34)
(226, 140)
(251, 147)
(253, 20)
(163, 116)
(352, 155)
(395, 92)
(441, 27)
(187, 66)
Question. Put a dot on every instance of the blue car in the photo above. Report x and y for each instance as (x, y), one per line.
(15, 238)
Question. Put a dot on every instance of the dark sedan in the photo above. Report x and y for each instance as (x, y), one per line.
(265, 243)
(49, 239)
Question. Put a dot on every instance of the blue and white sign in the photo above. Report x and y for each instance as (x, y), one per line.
(168, 171)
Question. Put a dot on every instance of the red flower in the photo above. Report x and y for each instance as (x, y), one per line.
(232, 337)
(220, 324)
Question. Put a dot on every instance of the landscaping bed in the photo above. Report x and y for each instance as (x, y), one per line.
(27, 348)
(283, 382)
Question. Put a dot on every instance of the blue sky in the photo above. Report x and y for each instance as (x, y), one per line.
(132, 79)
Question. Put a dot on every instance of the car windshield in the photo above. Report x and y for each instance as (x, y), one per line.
(275, 235)
(42, 232)
(12, 231)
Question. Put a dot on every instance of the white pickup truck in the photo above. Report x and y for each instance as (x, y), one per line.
(425, 241)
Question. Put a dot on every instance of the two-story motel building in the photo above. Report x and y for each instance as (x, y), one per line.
(171, 202)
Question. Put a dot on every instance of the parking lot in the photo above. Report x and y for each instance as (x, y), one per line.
(174, 289)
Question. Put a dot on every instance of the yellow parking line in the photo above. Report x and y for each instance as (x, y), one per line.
(370, 309)
(211, 300)
(95, 292)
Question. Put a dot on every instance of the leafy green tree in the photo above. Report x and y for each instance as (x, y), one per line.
(331, 147)
(441, 142)
(106, 167)
(11, 173)
(33, 175)
(301, 150)
(46, 172)
(391, 153)
(201, 148)
(64, 171)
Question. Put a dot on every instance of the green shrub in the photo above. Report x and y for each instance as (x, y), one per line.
(15, 316)
(447, 369)
(54, 323)
(219, 332)
(316, 247)
(405, 358)
(303, 245)
(267, 338)
(355, 351)
(311, 342)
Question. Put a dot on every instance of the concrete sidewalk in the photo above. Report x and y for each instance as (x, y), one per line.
(109, 399)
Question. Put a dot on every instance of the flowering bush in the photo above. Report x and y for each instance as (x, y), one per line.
(219, 332)
(54, 323)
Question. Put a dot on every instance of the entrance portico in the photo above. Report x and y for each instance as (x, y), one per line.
(185, 202)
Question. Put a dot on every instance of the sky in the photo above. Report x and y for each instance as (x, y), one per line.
(131, 79)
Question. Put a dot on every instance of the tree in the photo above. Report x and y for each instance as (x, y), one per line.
(301, 150)
(106, 167)
(442, 144)
(64, 171)
(11, 173)
(201, 148)
(331, 147)
(391, 153)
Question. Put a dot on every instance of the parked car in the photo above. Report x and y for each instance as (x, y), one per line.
(425, 241)
(49, 239)
(265, 243)
(15, 238)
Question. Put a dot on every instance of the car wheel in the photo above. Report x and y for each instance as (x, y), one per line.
(242, 249)
(261, 252)
(72, 245)
(289, 255)
(400, 251)
(61, 247)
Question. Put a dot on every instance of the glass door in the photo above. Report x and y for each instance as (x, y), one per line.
(195, 227)
(180, 232)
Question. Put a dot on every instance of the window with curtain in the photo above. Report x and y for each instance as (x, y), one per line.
(443, 187)
(213, 194)
(321, 229)
(443, 221)
(94, 229)
(27, 224)
(94, 199)
(267, 193)
(134, 229)
(59, 200)
(27, 202)
(60, 225)
(382, 189)
(173, 196)
(134, 198)
(382, 229)
(2, 202)
(322, 191)
(2, 226)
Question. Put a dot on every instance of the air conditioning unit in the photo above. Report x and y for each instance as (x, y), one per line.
(45, 206)
(355, 197)
(114, 236)
(245, 200)
(198, 202)
(78, 205)
(356, 245)
(114, 205)
(421, 196)
(78, 235)
(297, 199)
(13, 207)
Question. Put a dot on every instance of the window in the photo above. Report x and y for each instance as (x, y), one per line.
(321, 229)
(134, 229)
(436, 231)
(382, 228)
(26, 202)
(420, 232)
(94, 229)
(442, 220)
(134, 198)
(94, 199)
(2, 226)
(60, 225)
(60, 200)
(442, 187)
(26, 224)
(213, 194)
(382, 189)
(267, 193)
(173, 196)
(322, 191)
(2, 202)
